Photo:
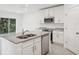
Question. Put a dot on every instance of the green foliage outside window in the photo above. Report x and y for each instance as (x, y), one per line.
(7, 25)
(12, 25)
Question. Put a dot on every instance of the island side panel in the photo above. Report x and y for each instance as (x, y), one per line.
(7, 47)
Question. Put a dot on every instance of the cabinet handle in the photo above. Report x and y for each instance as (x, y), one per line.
(77, 33)
(33, 49)
(66, 14)
(57, 35)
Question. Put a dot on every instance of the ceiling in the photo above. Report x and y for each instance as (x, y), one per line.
(21, 8)
(35, 7)
(17, 8)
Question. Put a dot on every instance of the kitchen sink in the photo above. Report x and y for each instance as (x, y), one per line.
(26, 36)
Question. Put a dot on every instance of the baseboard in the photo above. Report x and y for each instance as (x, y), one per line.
(71, 51)
(60, 44)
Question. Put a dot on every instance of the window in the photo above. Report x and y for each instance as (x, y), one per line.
(7, 25)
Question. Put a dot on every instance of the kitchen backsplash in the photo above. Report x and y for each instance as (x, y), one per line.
(53, 25)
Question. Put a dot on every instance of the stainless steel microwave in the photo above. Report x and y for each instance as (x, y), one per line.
(49, 20)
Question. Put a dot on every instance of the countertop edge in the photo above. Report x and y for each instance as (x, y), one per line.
(26, 40)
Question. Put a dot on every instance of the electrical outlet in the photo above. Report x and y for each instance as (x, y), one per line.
(66, 14)
(66, 41)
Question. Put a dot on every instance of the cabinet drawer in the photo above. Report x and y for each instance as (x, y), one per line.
(37, 39)
(19, 45)
(18, 49)
(27, 43)
(18, 52)
(28, 50)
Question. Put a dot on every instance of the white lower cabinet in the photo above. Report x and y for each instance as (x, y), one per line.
(32, 47)
(37, 48)
(58, 37)
(19, 49)
(28, 50)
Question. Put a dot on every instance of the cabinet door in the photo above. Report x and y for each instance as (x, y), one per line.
(28, 50)
(51, 12)
(37, 46)
(19, 49)
(42, 16)
(55, 36)
(59, 14)
(58, 37)
(61, 37)
(45, 13)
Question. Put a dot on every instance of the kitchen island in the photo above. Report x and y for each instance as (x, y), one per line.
(36, 45)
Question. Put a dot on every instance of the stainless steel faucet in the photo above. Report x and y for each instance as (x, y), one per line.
(24, 31)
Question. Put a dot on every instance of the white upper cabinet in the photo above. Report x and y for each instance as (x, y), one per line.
(45, 13)
(42, 16)
(48, 12)
(59, 14)
(51, 12)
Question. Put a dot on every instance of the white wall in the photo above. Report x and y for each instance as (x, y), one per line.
(71, 26)
(32, 21)
(18, 17)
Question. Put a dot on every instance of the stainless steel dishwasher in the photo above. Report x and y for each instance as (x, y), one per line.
(45, 44)
(51, 33)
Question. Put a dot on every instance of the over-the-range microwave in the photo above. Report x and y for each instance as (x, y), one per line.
(49, 20)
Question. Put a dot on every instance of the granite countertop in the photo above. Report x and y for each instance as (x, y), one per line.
(13, 37)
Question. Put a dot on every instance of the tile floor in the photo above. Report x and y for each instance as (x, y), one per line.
(58, 49)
